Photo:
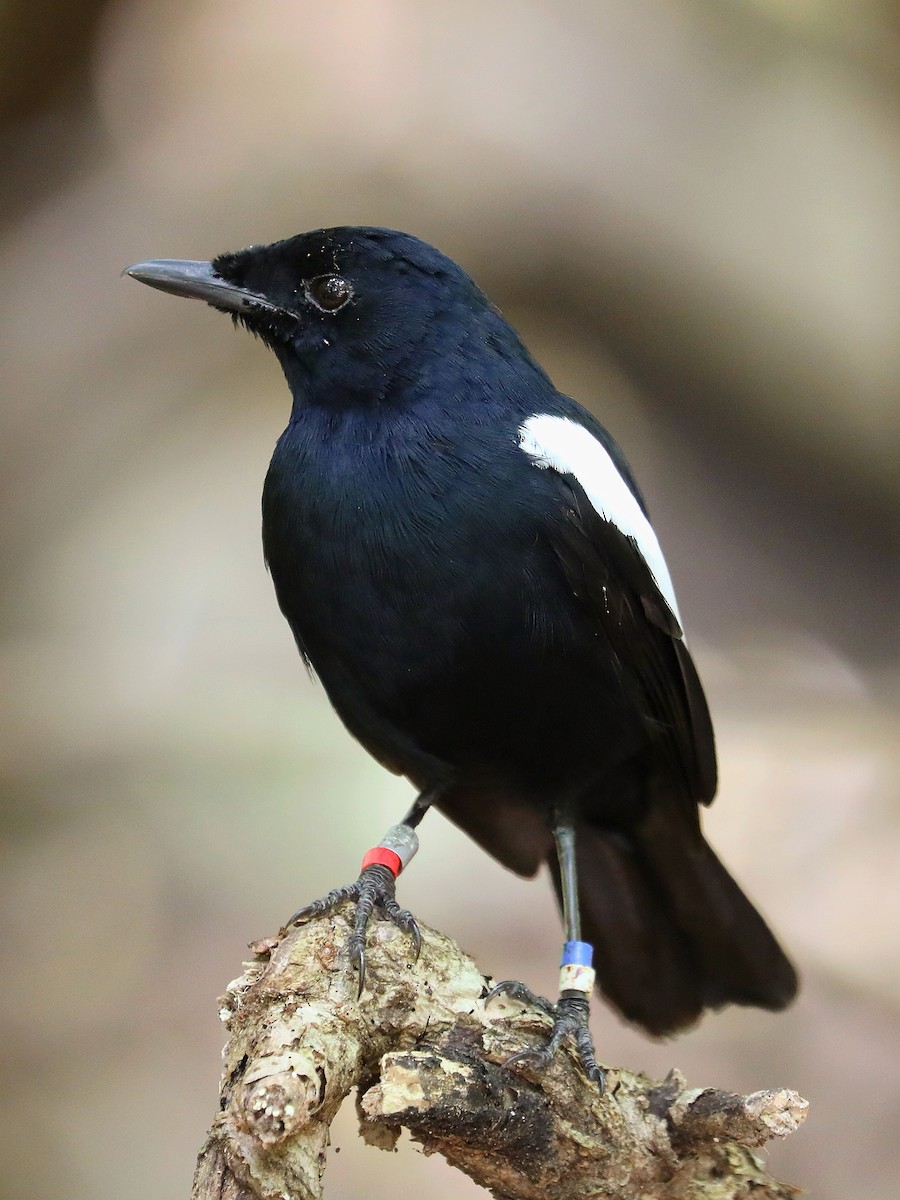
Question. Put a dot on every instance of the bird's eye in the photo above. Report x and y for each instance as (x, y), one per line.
(329, 292)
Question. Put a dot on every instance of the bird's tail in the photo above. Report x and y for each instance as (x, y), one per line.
(672, 932)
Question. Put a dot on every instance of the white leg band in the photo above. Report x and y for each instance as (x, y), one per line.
(403, 840)
(576, 977)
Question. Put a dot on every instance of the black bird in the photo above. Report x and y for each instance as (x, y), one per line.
(467, 564)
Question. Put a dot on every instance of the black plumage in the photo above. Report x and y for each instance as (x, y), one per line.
(481, 622)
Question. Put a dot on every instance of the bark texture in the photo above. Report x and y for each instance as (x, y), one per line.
(425, 1054)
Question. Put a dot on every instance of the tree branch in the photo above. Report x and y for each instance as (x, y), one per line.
(425, 1054)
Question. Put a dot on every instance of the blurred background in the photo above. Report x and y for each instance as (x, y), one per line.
(689, 208)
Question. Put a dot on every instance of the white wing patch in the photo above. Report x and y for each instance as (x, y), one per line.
(569, 448)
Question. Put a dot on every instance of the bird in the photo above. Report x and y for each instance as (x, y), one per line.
(468, 566)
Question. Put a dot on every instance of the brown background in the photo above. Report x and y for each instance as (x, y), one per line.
(690, 210)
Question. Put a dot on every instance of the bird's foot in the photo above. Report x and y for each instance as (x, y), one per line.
(570, 1016)
(375, 888)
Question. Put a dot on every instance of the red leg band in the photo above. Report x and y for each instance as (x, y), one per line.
(382, 857)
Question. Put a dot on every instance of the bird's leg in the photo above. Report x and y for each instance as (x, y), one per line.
(375, 888)
(571, 1012)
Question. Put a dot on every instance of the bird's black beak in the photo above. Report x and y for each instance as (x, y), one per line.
(198, 280)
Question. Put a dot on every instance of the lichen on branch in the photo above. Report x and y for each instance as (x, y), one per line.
(425, 1054)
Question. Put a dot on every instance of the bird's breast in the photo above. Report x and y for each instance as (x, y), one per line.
(388, 541)
(417, 583)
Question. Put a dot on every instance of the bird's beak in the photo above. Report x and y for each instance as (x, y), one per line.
(184, 277)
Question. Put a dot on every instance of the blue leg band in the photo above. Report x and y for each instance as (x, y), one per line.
(577, 953)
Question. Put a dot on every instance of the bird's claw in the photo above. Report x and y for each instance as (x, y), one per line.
(404, 920)
(518, 991)
(531, 1054)
(318, 908)
(374, 889)
(570, 1017)
(356, 947)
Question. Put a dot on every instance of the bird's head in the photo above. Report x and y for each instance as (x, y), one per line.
(347, 310)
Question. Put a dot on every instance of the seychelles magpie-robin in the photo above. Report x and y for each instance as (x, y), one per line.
(467, 564)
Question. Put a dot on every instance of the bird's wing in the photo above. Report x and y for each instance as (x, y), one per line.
(614, 565)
